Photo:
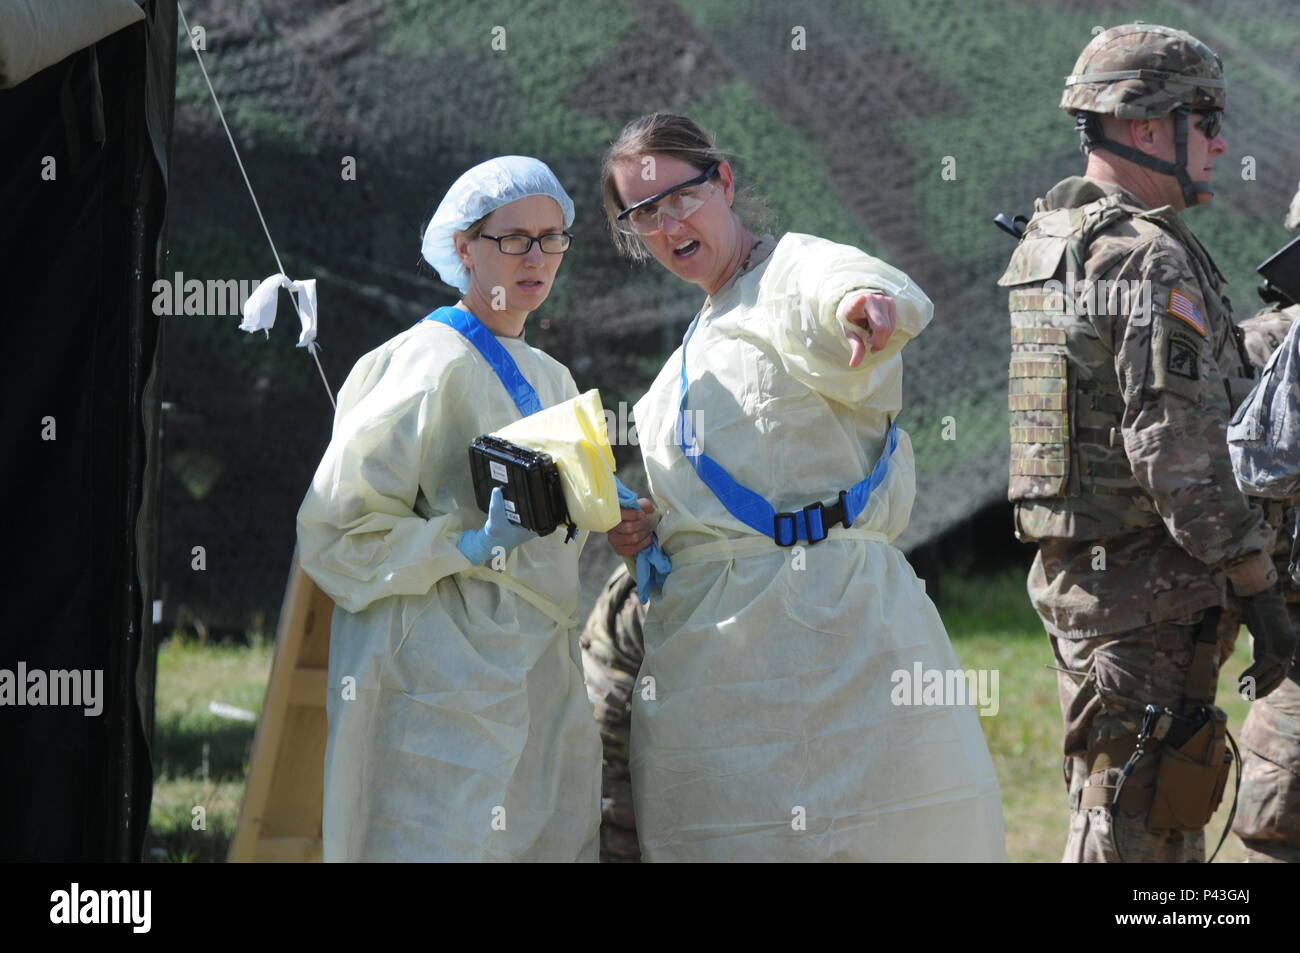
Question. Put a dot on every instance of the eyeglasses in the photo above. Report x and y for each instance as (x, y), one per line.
(681, 202)
(555, 243)
(1210, 122)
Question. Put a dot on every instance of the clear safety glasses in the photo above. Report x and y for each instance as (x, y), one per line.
(681, 202)
(553, 244)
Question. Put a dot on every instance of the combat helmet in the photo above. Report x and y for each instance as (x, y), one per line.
(1144, 71)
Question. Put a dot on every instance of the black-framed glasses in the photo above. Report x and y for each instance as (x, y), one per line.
(555, 243)
(681, 202)
(1209, 121)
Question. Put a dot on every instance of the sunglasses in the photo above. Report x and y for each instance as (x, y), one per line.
(1209, 121)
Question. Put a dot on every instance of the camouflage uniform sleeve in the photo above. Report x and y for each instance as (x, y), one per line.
(1264, 334)
(1176, 408)
(612, 651)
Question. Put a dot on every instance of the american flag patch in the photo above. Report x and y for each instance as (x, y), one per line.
(1181, 306)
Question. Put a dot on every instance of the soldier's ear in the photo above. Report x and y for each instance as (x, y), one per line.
(1144, 135)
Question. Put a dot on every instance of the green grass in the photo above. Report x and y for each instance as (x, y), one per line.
(988, 618)
(200, 759)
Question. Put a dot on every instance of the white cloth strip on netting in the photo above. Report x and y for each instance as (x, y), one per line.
(259, 311)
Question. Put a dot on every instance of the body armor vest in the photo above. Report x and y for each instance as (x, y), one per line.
(1070, 476)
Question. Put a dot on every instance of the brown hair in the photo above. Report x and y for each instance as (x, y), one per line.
(664, 134)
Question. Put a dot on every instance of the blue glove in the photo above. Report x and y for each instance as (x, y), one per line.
(477, 544)
(652, 566)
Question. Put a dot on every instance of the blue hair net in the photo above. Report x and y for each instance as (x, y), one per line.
(481, 190)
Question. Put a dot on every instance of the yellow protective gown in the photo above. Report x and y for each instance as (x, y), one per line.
(468, 735)
(762, 725)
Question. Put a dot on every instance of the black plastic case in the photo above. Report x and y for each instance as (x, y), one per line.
(530, 483)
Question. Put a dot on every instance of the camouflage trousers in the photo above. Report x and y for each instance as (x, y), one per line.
(1268, 810)
(612, 651)
(1105, 685)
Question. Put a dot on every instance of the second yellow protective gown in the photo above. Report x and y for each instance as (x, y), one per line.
(459, 727)
(763, 727)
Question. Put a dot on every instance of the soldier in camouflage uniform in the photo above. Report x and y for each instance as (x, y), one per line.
(1268, 812)
(612, 651)
(1123, 352)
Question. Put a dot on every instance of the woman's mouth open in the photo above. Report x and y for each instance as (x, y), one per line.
(533, 285)
(685, 249)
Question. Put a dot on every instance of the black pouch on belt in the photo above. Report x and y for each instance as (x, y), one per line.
(1194, 757)
(1192, 776)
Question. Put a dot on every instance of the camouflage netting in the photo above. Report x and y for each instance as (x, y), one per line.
(901, 128)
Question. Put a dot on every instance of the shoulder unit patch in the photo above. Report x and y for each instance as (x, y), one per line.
(1181, 358)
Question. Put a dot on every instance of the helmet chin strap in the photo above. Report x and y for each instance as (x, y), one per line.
(1089, 125)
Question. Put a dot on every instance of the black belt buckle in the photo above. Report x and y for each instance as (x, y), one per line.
(821, 521)
(843, 506)
(777, 525)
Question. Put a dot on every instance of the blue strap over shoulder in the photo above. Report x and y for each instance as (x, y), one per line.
(474, 331)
